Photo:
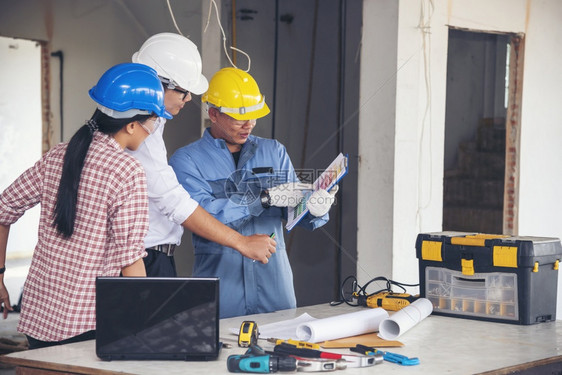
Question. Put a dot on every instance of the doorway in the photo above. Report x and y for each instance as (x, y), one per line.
(480, 158)
(21, 126)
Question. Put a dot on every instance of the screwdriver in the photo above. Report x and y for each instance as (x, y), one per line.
(351, 360)
(298, 344)
(288, 349)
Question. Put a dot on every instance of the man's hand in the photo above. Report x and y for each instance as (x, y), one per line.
(320, 202)
(288, 195)
(4, 299)
(258, 247)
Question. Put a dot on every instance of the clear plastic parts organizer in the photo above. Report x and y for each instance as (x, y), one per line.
(485, 295)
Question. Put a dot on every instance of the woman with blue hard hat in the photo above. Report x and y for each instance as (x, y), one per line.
(94, 209)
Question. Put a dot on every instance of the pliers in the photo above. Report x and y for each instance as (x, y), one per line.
(387, 356)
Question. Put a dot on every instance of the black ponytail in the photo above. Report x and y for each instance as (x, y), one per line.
(67, 196)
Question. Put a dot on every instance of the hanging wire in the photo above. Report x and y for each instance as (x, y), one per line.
(212, 2)
(233, 16)
(173, 18)
(424, 25)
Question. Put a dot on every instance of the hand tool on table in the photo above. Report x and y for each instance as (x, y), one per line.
(257, 360)
(248, 334)
(387, 356)
(308, 364)
(319, 365)
(263, 364)
(297, 343)
(354, 294)
(350, 360)
(387, 300)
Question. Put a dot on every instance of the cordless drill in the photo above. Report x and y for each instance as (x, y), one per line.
(263, 364)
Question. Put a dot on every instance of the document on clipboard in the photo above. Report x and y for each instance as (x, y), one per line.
(330, 177)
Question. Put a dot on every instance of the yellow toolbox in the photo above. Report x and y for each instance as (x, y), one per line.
(490, 277)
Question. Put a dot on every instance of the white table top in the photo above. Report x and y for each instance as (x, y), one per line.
(444, 346)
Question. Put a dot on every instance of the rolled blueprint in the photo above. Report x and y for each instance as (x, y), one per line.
(400, 322)
(345, 325)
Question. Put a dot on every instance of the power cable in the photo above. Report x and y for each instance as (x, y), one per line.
(425, 27)
(310, 82)
(173, 18)
(211, 4)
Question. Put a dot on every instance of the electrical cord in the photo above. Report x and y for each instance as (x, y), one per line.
(173, 18)
(358, 290)
(211, 4)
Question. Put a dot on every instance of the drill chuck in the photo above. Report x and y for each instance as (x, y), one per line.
(285, 363)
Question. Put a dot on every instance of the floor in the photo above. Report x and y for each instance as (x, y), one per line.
(10, 339)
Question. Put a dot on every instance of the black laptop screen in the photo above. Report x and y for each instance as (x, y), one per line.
(157, 318)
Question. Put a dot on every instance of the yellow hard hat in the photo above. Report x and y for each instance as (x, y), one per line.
(236, 93)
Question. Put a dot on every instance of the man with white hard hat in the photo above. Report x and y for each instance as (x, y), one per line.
(177, 61)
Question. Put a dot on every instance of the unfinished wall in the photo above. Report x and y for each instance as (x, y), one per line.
(416, 152)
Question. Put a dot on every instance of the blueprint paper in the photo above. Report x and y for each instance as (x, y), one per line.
(336, 327)
(404, 319)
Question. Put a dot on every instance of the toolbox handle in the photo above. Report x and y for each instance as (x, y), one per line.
(475, 239)
(463, 281)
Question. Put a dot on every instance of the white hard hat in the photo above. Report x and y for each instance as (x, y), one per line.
(176, 58)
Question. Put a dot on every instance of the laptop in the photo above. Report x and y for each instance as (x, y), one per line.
(157, 318)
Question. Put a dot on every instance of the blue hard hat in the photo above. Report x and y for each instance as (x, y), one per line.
(128, 89)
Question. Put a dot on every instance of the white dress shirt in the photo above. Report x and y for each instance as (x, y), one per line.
(168, 203)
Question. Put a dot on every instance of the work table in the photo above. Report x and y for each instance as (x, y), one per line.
(444, 345)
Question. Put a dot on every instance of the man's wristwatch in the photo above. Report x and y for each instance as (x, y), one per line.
(2, 270)
(265, 199)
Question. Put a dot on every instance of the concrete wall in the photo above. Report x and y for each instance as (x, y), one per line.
(93, 35)
(377, 119)
(411, 198)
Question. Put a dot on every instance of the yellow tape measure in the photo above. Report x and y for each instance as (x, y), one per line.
(248, 334)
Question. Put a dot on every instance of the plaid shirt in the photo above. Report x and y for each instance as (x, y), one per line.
(111, 223)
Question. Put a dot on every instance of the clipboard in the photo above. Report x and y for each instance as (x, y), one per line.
(327, 180)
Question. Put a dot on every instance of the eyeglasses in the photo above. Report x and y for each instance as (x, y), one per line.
(155, 125)
(171, 85)
(184, 92)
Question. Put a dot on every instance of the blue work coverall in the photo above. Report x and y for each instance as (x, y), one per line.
(231, 193)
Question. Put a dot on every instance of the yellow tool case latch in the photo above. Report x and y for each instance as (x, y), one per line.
(467, 266)
(431, 250)
(505, 256)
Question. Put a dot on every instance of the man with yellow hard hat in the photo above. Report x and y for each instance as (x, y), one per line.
(246, 182)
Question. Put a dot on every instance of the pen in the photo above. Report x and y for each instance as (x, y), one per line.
(272, 236)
